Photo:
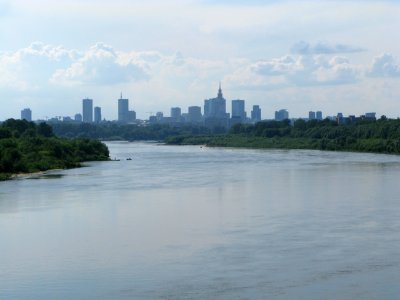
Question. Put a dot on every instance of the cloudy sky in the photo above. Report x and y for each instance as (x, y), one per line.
(334, 56)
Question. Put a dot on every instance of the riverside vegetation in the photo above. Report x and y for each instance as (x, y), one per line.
(26, 147)
(380, 136)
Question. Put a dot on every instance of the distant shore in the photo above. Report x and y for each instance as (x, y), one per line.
(234, 141)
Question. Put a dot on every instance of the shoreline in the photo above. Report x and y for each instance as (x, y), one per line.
(282, 143)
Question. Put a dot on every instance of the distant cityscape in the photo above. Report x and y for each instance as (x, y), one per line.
(214, 114)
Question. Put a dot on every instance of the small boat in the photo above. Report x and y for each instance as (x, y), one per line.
(129, 158)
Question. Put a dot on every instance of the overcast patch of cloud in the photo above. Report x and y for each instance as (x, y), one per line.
(384, 65)
(305, 48)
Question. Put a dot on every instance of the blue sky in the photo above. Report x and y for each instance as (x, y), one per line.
(300, 55)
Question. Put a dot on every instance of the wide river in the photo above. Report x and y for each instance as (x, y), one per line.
(190, 222)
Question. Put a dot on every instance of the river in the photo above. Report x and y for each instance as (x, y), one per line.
(190, 222)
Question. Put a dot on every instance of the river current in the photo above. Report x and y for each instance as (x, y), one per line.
(191, 222)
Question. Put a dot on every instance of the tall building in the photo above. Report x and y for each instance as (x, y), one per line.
(159, 116)
(131, 116)
(216, 107)
(207, 108)
(370, 115)
(256, 114)
(311, 115)
(87, 110)
(97, 114)
(78, 118)
(26, 114)
(215, 111)
(319, 115)
(281, 115)
(123, 110)
(194, 114)
(176, 113)
(238, 110)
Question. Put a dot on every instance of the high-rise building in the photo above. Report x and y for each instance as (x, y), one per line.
(319, 115)
(123, 110)
(370, 115)
(26, 114)
(238, 110)
(131, 116)
(97, 114)
(281, 115)
(311, 115)
(87, 110)
(256, 114)
(215, 111)
(159, 116)
(215, 107)
(78, 118)
(207, 108)
(176, 113)
(194, 114)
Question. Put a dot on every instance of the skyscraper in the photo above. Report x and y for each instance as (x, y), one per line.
(87, 110)
(207, 108)
(194, 114)
(238, 110)
(97, 114)
(123, 110)
(215, 107)
(26, 114)
(215, 111)
(311, 115)
(78, 118)
(176, 113)
(281, 115)
(256, 114)
(319, 115)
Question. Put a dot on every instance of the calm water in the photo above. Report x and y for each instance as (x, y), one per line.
(200, 223)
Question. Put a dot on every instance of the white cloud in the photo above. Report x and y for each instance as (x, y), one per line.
(297, 71)
(384, 65)
(29, 68)
(305, 48)
(100, 65)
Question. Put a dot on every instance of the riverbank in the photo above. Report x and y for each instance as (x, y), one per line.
(27, 148)
(372, 145)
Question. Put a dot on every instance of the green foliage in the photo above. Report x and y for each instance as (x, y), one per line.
(27, 147)
(381, 136)
(129, 132)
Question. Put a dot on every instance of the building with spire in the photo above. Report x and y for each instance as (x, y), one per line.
(215, 111)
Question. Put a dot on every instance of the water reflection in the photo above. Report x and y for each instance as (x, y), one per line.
(199, 223)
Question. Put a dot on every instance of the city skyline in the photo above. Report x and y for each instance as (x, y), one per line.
(298, 55)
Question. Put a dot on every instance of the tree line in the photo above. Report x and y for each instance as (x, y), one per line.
(381, 136)
(127, 132)
(27, 147)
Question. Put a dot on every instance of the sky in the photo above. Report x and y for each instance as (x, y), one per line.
(328, 55)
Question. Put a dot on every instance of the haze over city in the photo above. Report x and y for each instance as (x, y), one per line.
(300, 55)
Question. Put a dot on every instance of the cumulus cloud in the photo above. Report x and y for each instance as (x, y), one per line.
(301, 71)
(384, 65)
(37, 65)
(101, 65)
(274, 67)
(305, 48)
(30, 67)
